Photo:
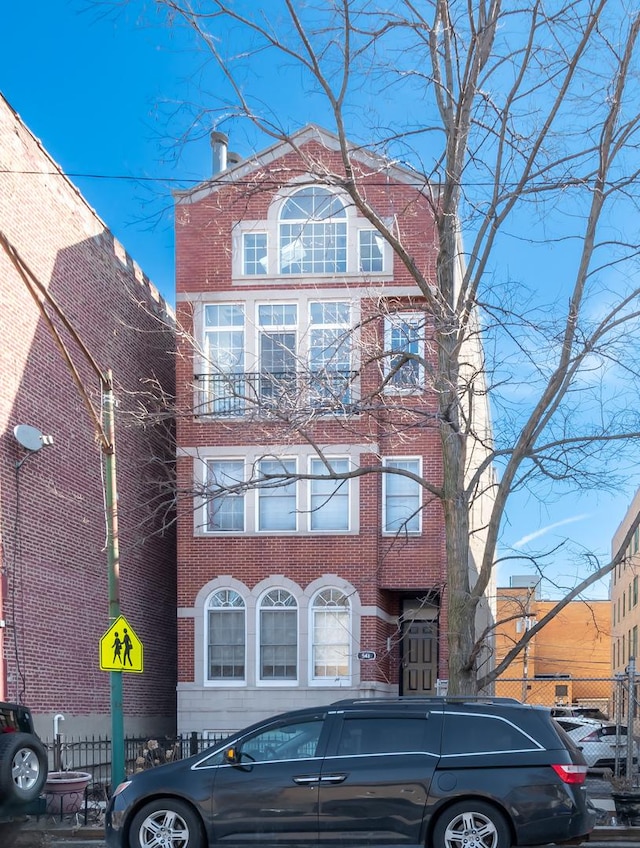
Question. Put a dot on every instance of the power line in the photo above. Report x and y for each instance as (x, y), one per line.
(274, 182)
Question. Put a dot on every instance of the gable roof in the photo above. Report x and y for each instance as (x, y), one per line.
(311, 132)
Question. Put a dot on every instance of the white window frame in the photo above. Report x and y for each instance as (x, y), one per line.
(255, 262)
(270, 226)
(390, 462)
(219, 532)
(213, 329)
(330, 681)
(314, 231)
(281, 328)
(217, 395)
(252, 455)
(380, 243)
(272, 492)
(269, 681)
(346, 484)
(391, 322)
(224, 681)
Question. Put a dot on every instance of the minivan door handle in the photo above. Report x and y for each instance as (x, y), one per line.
(333, 778)
(304, 779)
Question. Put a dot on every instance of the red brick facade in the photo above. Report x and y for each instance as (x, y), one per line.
(383, 576)
(53, 594)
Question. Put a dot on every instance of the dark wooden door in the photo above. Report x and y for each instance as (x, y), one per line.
(419, 658)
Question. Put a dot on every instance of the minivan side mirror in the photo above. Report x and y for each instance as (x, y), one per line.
(231, 756)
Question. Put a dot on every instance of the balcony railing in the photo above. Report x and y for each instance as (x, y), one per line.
(269, 392)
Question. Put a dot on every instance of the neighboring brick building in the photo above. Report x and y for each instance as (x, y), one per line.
(281, 589)
(53, 591)
(567, 662)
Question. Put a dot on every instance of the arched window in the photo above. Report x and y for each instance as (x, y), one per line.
(331, 636)
(226, 636)
(278, 636)
(313, 233)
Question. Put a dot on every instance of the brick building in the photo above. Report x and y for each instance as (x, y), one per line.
(567, 662)
(53, 587)
(302, 356)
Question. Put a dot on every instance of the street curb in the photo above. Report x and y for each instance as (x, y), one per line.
(600, 833)
(50, 835)
(26, 837)
(619, 833)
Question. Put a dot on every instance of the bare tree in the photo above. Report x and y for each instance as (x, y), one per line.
(520, 124)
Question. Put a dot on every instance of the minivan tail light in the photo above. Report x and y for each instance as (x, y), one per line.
(571, 773)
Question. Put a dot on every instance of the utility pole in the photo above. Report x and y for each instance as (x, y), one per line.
(113, 561)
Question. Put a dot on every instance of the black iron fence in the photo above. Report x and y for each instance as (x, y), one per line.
(92, 754)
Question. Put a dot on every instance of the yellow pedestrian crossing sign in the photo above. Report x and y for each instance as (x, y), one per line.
(120, 648)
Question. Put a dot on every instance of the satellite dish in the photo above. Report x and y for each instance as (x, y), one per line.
(29, 437)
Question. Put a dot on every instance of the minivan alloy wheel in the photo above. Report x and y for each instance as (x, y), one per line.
(166, 823)
(470, 824)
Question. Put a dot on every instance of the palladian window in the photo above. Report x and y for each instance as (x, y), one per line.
(313, 233)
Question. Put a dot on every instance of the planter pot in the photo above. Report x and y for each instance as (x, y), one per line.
(64, 791)
(627, 806)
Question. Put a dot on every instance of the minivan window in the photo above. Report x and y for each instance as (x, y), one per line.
(284, 742)
(480, 734)
(388, 735)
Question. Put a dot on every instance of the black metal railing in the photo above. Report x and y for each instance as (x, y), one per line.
(269, 392)
(92, 754)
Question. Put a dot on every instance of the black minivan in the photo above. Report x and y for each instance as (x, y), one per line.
(444, 772)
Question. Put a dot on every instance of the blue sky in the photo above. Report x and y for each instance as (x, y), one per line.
(98, 86)
(94, 87)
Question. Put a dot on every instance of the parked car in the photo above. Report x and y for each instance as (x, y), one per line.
(599, 741)
(444, 772)
(579, 712)
(23, 761)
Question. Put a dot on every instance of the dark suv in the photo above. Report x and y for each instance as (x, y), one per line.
(23, 762)
(444, 772)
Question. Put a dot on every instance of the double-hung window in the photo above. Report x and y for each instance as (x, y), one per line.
(254, 254)
(278, 636)
(277, 347)
(331, 641)
(330, 352)
(277, 495)
(224, 345)
(402, 496)
(313, 233)
(370, 251)
(225, 503)
(226, 636)
(329, 506)
(404, 351)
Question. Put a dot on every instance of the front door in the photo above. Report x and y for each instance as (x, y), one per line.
(419, 657)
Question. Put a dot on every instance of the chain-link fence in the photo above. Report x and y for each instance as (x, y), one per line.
(594, 712)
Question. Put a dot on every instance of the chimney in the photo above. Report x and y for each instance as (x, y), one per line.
(233, 159)
(219, 143)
